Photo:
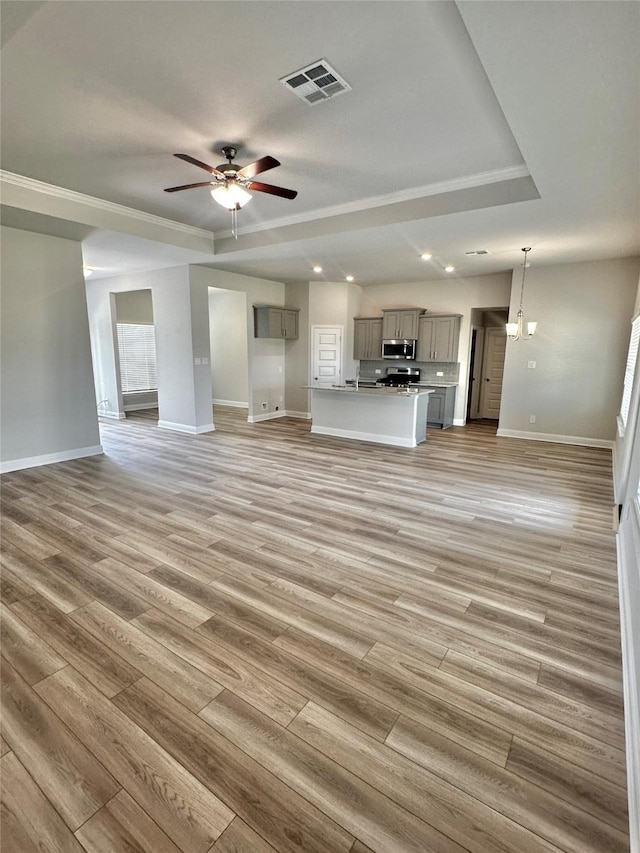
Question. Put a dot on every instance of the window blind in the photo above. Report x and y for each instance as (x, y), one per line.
(630, 370)
(137, 349)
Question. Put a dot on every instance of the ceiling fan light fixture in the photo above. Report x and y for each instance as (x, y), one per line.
(231, 195)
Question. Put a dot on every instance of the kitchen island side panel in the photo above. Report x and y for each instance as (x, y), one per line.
(377, 416)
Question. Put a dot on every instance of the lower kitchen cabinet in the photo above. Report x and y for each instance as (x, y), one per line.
(442, 402)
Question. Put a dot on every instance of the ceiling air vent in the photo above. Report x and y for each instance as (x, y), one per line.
(478, 252)
(316, 82)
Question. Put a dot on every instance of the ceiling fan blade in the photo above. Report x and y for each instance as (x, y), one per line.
(199, 163)
(260, 165)
(269, 188)
(190, 186)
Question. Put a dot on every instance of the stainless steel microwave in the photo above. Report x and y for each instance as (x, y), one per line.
(399, 349)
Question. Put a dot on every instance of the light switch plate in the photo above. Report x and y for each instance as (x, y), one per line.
(531, 365)
(197, 361)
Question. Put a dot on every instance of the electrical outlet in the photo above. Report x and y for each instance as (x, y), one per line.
(197, 361)
(532, 419)
(378, 371)
(205, 360)
(531, 365)
(265, 406)
(439, 373)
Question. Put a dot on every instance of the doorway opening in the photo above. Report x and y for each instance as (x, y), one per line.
(486, 363)
(135, 355)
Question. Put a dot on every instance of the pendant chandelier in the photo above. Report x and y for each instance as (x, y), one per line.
(515, 331)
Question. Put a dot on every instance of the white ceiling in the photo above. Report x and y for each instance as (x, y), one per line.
(470, 125)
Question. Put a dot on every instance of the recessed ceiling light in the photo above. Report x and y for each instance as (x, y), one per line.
(349, 278)
(317, 269)
(426, 256)
(449, 268)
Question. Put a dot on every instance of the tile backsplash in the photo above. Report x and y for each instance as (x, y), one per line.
(428, 369)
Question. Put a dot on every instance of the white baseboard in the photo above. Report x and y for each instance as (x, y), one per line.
(556, 439)
(364, 436)
(459, 422)
(236, 403)
(192, 430)
(267, 416)
(115, 416)
(303, 415)
(49, 458)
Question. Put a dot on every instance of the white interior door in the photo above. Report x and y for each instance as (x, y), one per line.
(326, 358)
(495, 344)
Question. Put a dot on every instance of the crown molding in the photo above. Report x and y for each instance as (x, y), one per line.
(98, 203)
(440, 188)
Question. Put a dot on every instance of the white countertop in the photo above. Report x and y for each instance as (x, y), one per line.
(376, 392)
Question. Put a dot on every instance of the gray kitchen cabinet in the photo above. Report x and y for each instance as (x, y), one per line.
(442, 403)
(401, 323)
(367, 338)
(438, 337)
(274, 321)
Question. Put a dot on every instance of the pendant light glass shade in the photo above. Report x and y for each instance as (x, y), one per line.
(515, 331)
(231, 195)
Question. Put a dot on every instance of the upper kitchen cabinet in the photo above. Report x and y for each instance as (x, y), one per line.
(438, 337)
(273, 321)
(367, 338)
(401, 324)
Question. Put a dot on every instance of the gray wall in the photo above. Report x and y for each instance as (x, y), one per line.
(265, 356)
(48, 399)
(453, 296)
(181, 319)
(580, 349)
(134, 306)
(228, 344)
(297, 353)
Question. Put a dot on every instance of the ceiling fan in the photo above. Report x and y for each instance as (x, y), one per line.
(231, 182)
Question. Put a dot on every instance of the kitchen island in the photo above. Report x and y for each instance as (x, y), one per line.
(380, 415)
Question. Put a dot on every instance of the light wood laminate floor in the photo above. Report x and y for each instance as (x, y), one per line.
(260, 640)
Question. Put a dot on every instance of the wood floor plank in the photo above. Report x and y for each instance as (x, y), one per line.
(473, 617)
(97, 586)
(27, 653)
(348, 800)
(221, 604)
(564, 741)
(183, 681)
(183, 808)
(527, 805)
(330, 630)
(13, 587)
(121, 826)
(72, 779)
(443, 716)
(155, 594)
(227, 669)
(276, 812)
(594, 695)
(575, 714)
(30, 824)
(104, 668)
(477, 827)
(587, 791)
(63, 594)
(338, 695)
(240, 838)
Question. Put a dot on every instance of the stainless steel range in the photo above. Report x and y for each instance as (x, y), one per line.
(399, 376)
